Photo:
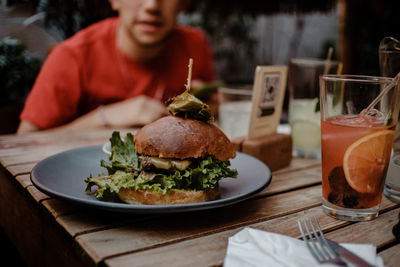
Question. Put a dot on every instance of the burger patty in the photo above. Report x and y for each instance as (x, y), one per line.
(149, 163)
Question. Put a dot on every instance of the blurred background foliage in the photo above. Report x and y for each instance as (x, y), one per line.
(18, 71)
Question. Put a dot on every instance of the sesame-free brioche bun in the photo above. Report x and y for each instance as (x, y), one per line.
(172, 197)
(179, 138)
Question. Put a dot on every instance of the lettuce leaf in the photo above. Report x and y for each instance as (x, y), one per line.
(204, 177)
(106, 190)
(123, 154)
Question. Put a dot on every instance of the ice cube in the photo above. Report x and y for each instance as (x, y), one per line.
(373, 113)
(373, 116)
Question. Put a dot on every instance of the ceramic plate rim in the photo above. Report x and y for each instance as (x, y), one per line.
(123, 207)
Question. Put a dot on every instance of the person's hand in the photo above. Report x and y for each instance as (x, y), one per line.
(136, 111)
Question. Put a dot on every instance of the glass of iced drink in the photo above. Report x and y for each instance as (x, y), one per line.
(234, 111)
(356, 143)
(304, 107)
(389, 62)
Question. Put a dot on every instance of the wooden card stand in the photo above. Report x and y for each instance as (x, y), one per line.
(275, 149)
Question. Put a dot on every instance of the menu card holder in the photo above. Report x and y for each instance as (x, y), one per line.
(263, 141)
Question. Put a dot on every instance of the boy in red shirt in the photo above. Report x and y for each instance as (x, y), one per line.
(118, 72)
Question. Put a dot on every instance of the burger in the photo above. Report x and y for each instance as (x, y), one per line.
(177, 159)
(173, 160)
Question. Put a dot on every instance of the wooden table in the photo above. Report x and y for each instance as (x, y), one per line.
(52, 232)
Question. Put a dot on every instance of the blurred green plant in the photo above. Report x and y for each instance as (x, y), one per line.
(18, 71)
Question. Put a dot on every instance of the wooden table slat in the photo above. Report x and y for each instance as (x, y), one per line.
(21, 169)
(46, 138)
(35, 147)
(97, 220)
(283, 182)
(391, 256)
(37, 195)
(57, 207)
(24, 180)
(299, 164)
(24, 155)
(379, 231)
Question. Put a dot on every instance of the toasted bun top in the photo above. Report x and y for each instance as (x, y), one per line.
(175, 137)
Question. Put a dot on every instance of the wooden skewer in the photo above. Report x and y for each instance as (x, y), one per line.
(328, 61)
(340, 68)
(189, 74)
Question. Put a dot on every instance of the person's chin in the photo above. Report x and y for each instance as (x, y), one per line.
(150, 39)
(148, 28)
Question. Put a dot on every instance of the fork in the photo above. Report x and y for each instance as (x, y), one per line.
(317, 245)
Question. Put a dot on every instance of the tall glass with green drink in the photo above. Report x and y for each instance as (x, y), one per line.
(304, 108)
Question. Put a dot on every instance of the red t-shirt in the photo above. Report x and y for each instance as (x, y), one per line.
(88, 70)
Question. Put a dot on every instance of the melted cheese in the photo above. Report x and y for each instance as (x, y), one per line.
(180, 164)
(167, 164)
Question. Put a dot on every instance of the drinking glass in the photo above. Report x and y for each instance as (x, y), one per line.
(356, 143)
(389, 57)
(304, 114)
(389, 62)
(392, 182)
(234, 111)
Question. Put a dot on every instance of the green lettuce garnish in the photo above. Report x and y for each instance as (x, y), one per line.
(123, 154)
(125, 171)
(106, 191)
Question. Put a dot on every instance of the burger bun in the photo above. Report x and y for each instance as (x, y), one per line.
(172, 197)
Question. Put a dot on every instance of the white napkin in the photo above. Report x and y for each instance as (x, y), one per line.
(252, 247)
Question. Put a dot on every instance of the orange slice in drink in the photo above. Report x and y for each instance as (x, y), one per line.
(365, 161)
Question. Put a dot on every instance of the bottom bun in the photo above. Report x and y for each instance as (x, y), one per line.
(174, 196)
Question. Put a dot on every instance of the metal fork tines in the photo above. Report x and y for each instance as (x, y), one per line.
(317, 244)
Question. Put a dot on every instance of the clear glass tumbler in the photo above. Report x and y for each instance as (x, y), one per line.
(304, 113)
(389, 61)
(356, 143)
(234, 111)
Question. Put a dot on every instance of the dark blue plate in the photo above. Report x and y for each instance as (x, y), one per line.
(62, 176)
